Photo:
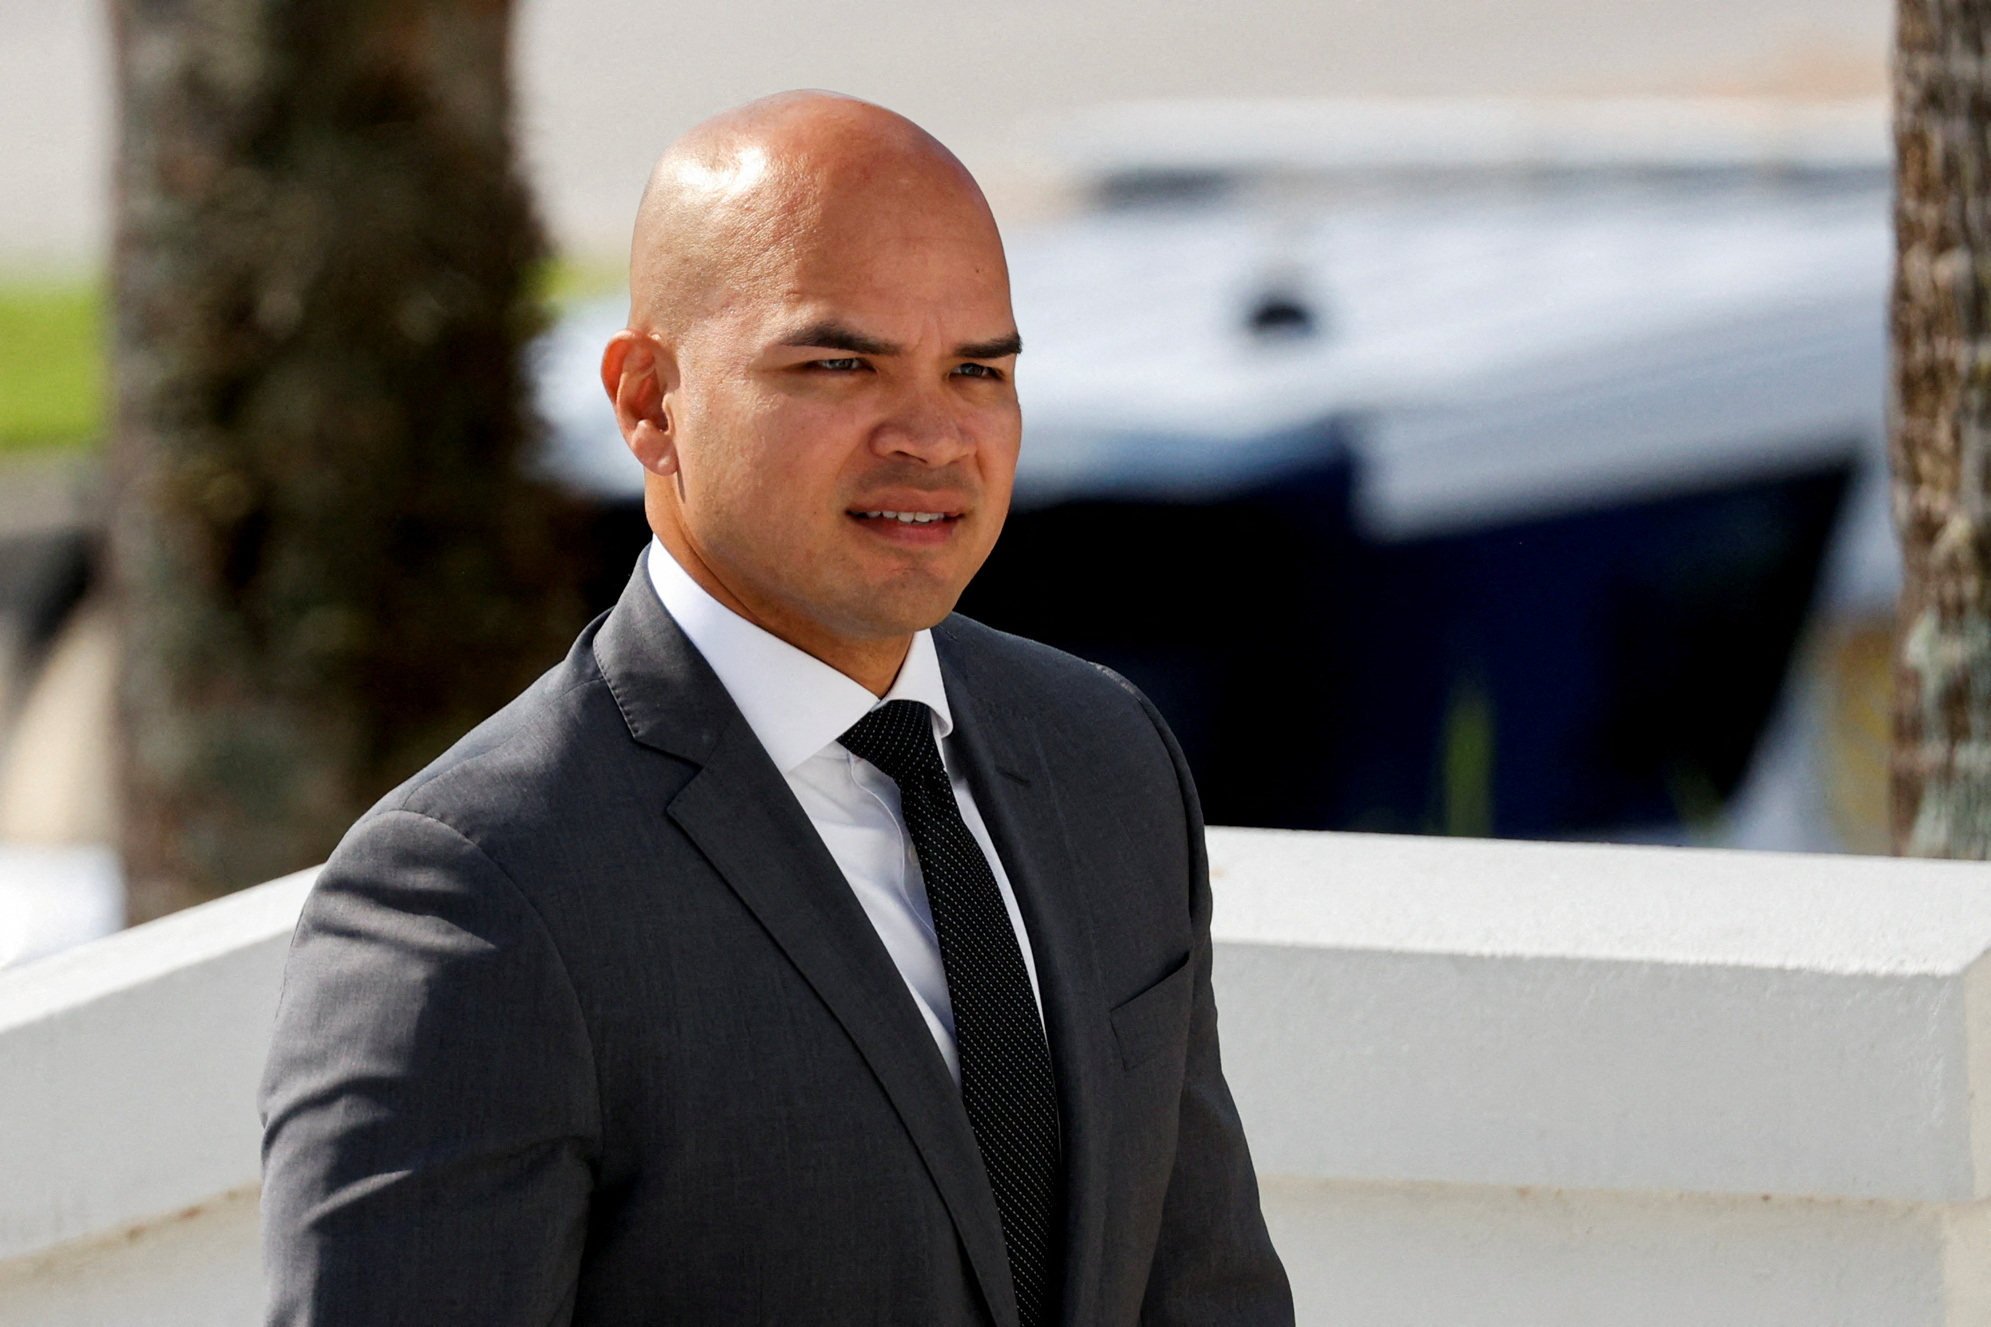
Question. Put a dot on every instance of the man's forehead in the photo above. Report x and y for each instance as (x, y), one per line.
(716, 177)
(809, 189)
(896, 276)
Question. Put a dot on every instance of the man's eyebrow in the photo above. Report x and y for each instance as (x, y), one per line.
(830, 335)
(996, 349)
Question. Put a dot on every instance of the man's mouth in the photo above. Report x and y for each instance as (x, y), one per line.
(908, 529)
(908, 517)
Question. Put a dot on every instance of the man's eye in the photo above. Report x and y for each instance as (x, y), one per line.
(844, 365)
(988, 371)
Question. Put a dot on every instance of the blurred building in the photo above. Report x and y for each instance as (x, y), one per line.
(1460, 468)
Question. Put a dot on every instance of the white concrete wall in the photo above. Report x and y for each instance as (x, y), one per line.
(128, 1133)
(1486, 1083)
(1543, 1084)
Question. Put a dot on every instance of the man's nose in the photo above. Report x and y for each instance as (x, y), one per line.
(925, 424)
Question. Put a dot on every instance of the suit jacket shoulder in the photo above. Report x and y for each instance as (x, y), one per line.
(1038, 671)
(1120, 768)
(539, 742)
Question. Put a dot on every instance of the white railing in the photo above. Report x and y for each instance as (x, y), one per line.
(1485, 1083)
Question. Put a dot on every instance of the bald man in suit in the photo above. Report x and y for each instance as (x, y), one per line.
(796, 950)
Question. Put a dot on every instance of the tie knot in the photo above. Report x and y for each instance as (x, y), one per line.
(897, 737)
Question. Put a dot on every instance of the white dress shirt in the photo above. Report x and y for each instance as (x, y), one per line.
(798, 706)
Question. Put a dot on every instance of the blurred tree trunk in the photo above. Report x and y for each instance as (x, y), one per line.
(328, 555)
(1941, 430)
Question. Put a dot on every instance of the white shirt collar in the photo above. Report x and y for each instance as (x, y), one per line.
(795, 703)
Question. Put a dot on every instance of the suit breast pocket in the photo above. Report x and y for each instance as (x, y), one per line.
(1156, 1018)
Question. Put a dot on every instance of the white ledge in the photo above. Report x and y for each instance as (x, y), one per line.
(128, 1070)
(1608, 902)
(1663, 1020)
(1402, 1011)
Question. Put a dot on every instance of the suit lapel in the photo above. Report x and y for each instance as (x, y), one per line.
(1019, 800)
(741, 814)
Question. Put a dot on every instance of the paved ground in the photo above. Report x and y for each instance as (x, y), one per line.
(604, 82)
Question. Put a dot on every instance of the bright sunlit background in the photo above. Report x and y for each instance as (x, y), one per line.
(1506, 379)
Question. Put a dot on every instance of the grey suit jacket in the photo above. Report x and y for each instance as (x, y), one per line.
(583, 1024)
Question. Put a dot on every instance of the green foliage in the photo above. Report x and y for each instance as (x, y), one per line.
(569, 280)
(51, 363)
(1466, 744)
(52, 350)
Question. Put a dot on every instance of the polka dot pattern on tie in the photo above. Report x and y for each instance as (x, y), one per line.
(1006, 1082)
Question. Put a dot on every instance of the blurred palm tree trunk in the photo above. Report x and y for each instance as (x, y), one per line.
(1941, 434)
(328, 555)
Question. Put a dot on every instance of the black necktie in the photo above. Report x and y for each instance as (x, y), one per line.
(1005, 1063)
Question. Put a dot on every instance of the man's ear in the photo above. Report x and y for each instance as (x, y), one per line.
(640, 376)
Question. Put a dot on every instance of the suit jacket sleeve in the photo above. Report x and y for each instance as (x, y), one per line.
(429, 1104)
(1214, 1261)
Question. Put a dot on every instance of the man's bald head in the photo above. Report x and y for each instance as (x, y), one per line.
(730, 201)
(818, 373)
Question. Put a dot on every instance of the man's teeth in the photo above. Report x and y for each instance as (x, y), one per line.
(909, 517)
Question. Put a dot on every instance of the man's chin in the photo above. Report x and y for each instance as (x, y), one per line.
(889, 615)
